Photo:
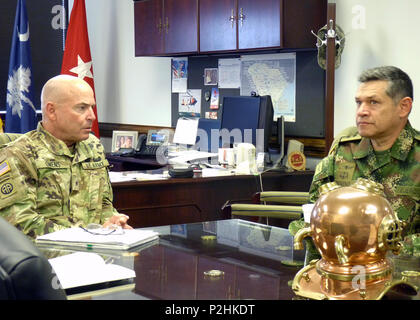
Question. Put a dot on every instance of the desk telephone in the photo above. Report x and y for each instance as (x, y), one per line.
(147, 144)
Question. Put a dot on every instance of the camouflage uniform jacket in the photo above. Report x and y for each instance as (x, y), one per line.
(44, 187)
(397, 169)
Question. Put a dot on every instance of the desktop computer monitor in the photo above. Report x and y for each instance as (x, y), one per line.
(247, 119)
(280, 140)
(207, 135)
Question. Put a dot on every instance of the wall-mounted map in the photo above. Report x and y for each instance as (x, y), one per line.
(274, 75)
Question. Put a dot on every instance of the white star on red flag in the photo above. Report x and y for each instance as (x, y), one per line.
(83, 68)
(77, 48)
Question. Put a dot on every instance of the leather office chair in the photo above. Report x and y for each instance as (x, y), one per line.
(25, 274)
(287, 207)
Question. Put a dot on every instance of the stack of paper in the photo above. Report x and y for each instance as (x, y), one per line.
(83, 268)
(78, 237)
(116, 176)
(190, 155)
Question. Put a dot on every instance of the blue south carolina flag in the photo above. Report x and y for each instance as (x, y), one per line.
(20, 110)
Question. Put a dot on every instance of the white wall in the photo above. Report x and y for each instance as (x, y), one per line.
(129, 89)
(138, 90)
(389, 36)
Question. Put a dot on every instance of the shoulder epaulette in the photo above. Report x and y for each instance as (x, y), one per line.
(348, 134)
(353, 138)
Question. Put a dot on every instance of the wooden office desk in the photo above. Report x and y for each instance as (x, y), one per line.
(174, 201)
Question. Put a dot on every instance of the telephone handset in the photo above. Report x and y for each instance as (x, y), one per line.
(141, 143)
(149, 144)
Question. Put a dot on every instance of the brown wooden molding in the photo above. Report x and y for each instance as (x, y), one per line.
(330, 80)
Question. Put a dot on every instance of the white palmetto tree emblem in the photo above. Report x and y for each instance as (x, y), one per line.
(17, 85)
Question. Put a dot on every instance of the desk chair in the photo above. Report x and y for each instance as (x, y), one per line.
(289, 203)
(288, 206)
(25, 274)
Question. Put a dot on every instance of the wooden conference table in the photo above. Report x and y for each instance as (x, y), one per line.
(251, 260)
(197, 199)
(229, 259)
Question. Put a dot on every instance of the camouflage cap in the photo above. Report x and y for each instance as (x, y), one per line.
(322, 47)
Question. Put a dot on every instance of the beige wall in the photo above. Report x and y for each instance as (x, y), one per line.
(387, 35)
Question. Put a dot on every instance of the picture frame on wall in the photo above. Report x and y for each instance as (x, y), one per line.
(124, 139)
(210, 76)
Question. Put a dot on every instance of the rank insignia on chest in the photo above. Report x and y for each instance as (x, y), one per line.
(344, 172)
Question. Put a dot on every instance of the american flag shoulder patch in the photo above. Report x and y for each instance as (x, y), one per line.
(4, 168)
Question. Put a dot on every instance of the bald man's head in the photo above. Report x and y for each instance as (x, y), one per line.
(67, 104)
(60, 88)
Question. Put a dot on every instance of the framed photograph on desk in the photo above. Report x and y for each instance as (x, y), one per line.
(124, 139)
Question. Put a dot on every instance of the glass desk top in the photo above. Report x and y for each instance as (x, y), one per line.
(224, 260)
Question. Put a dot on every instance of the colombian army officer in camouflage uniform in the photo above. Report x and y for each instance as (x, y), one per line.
(56, 176)
(384, 147)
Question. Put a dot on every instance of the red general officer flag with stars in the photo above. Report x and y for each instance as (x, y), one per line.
(77, 60)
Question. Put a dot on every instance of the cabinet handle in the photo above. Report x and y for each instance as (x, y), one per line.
(229, 293)
(232, 19)
(159, 26)
(167, 25)
(242, 17)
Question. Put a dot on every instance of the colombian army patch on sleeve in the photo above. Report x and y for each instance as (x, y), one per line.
(4, 168)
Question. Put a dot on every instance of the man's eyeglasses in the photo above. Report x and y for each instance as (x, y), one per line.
(97, 229)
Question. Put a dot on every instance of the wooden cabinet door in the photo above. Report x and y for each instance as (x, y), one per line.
(148, 27)
(180, 21)
(256, 285)
(259, 24)
(150, 272)
(210, 288)
(217, 25)
(180, 275)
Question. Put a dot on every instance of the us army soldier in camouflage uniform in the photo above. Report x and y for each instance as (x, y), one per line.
(384, 147)
(56, 176)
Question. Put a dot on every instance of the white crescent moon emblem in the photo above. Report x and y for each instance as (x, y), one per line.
(23, 37)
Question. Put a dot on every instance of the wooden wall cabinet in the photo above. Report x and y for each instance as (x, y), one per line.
(239, 24)
(177, 27)
(164, 27)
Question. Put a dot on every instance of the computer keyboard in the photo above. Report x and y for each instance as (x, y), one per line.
(150, 151)
(147, 151)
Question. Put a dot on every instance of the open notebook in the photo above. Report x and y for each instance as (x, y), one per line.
(78, 237)
(84, 268)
